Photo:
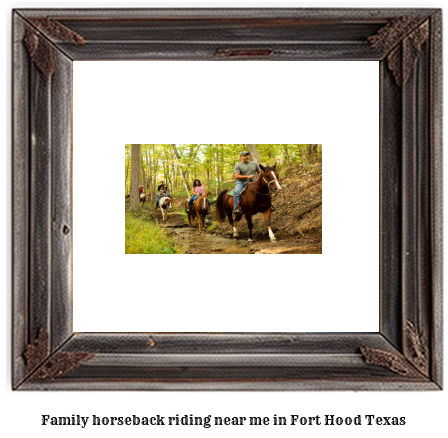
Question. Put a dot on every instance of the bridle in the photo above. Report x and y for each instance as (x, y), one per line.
(204, 197)
(268, 183)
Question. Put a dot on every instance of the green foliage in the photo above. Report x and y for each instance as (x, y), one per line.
(212, 227)
(144, 237)
(200, 161)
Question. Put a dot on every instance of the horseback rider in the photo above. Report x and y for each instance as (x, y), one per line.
(163, 192)
(160, 186)
(244, 172)
(198, 189)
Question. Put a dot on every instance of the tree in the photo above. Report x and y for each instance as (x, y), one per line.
(217, 169)
(286, 154)
(184, 179)
(142, 165)
(254, 153)
(135, 161)
(178, 164)
(312, 153)
(128, 163)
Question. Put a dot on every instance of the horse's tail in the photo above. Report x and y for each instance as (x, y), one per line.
(221, 213)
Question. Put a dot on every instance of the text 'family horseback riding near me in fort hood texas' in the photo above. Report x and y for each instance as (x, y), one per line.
(208, 421)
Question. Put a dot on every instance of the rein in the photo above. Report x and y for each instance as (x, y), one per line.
(269, 188)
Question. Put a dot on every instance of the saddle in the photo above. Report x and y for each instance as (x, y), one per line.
(232, 192)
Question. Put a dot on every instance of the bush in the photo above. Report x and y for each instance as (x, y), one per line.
(142, 237)
(212, 227)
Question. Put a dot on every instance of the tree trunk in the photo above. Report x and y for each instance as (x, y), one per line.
(286, 155)
(182, 173)
(148, 173)
(155, 165)
(173, 174)
(127, 174)
(217, 169)
(166, 177)
(143, 172)
(208, 171)
(223, 164)
(135, 160)
(254, 153)
(150, 176)
(312, 153)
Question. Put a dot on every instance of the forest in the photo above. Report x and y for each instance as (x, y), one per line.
(299, 169)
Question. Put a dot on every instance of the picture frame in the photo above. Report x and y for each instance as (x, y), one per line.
(406, 353)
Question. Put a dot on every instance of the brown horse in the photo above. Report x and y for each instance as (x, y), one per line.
(198, 210)
(255, 199)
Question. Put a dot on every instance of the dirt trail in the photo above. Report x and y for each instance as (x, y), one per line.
(298, 246)
(193, 242)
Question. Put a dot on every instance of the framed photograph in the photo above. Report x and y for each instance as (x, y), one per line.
(51, 353)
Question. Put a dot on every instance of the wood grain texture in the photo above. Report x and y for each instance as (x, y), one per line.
(436, 195)
(61, 200)
(20, 207)
(406, 354)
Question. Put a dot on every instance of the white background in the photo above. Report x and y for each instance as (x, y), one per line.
(332, 103)
(425, 412)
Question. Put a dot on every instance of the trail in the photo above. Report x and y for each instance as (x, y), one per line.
(195, 242)
(205, 243)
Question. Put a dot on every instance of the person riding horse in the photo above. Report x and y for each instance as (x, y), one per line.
(244, 172)
(159, 187)
(163, 192)
(198, 189)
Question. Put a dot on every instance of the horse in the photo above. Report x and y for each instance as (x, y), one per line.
(143, 197)
(198, 210)
(256, 199)
(164, 203)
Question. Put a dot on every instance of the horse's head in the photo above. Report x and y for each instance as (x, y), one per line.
(203, 201)
(169, 202)
(270, 177)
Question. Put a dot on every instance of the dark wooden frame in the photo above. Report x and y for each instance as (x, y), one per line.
(406, 354)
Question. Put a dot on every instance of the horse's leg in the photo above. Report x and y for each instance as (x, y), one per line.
(195, 217)
(231, 222)
(267, 220)
(250, 225)
(236, 222)
(203, 220)
(198, 214)
(188, 213)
